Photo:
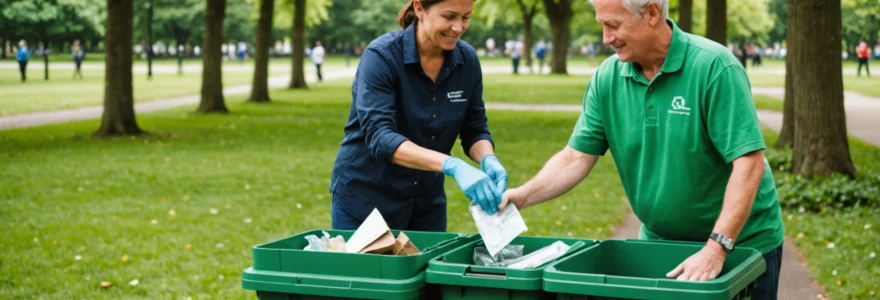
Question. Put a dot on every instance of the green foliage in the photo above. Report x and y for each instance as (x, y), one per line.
(860, 22)
(822, 193)
(52, 20)
(316, 12)
(779, 159)
(747, 20)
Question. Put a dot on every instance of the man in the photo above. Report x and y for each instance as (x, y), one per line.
(676, 112)
(318, 58)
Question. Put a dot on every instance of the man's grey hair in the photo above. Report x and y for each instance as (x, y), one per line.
(637, 7)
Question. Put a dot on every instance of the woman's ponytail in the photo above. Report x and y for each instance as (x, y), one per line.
(407, 15)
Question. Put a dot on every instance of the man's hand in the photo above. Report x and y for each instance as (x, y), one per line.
(702, 266)
(515, 196)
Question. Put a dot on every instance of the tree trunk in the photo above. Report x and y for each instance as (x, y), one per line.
(685, 14)
(180, 57)
(559, 13)
(527, 42)
(150, 41)
(716, 21)
(260, 85)
(46, 61)
(118, 117)
(3, 44)
(298, 80)
(820, 138)
(786, 135)
(528, 14)
(212, 69)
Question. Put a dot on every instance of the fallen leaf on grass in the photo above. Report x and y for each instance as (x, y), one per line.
(839, 283)
(187, 247)
(214, 211)
(248, 220)
(800, 235)
(106, 285)
(154, 222)
(219, 245)
(558, 223)
(124, 259)
(134, 282)
(78, 257)
(186, 197)
(172, 213)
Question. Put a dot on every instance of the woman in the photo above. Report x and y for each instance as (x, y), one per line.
(78, 55)
(415, 91)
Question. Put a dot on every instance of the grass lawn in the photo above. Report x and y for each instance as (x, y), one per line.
(841, 246)
(525, 88)
(768, 103)
(863, 85)
(184, 205)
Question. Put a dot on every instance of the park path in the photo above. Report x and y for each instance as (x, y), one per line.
(94, 112)
(796, 281)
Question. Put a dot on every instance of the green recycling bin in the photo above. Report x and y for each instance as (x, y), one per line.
(283, 270)
(634, 269)
(458, 277)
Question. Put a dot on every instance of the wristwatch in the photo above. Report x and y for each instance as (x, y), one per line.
(726, 242)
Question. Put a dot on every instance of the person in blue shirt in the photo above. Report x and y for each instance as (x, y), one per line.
(541, 53)
(22, 57)
(415, 92)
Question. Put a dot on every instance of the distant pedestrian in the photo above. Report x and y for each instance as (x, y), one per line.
(78, 56)
(22, 57)
(863, 53)
(540, 54)
(318, 58)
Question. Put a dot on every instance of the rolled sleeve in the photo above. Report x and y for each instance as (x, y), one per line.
(475, 127)
(732, 120)
(375, 105)
(589, 131)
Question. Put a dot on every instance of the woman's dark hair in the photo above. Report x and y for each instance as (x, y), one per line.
(408, 13)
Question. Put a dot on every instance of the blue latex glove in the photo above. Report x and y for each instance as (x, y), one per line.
(496, 172)
(475, 184)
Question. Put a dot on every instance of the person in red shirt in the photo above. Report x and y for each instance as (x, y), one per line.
(863, 53)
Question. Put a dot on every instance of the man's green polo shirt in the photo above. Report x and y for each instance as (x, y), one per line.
(674, 139)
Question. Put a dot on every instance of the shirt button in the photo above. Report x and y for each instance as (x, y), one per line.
(415, 183)
(434, 99)
(650, 107)
(434, 116)
(432, 137)
(650, 89)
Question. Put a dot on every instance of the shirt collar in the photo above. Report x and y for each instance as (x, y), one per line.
(411, 50)
(674, 57)
(677, 49)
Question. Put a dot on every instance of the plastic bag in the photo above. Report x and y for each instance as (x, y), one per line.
(500, 229)
(511, 256)
(509, 252)
(325, 243)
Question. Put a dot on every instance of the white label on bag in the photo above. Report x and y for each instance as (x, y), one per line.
(500, 229)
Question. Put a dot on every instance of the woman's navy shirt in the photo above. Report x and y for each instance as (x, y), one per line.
(393, 101)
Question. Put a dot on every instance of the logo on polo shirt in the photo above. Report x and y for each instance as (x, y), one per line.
(455, 96)
(679, 107)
